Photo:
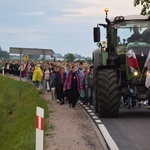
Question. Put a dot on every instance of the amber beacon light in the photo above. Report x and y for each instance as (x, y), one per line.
(106, 10)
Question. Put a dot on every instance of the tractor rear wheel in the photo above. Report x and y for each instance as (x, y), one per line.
(107, 93)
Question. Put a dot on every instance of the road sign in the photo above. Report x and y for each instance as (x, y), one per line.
(32, 51)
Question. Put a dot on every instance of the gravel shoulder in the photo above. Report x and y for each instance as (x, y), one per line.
(72, 128)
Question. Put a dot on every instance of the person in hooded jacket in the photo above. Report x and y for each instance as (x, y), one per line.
(73, 85)
(37, 75)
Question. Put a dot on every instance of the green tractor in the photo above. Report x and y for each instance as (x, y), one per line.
(121, 63)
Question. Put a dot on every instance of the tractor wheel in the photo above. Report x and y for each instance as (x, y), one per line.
(107, 93)
(95, 95)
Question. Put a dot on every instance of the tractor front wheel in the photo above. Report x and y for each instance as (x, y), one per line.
(107, 93)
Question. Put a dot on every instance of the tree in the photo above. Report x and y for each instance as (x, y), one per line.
(4, 54)
(69, 57)
(145, 4)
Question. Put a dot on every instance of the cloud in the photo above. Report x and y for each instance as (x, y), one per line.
(63, 25)
(38, 13)
(23, 34)
(90, 11)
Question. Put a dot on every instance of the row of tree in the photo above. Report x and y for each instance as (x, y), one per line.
(68, 57)
(4, 54)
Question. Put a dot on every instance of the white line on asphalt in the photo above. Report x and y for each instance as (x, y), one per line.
(92, 114)
(98, 121)
(89, 110)
(94, 117)
(108, 139)
(111, 143)
(99, 135)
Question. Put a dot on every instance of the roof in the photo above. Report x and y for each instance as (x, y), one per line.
(131, 17)
(135, 17)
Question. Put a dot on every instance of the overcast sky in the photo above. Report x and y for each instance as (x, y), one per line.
(66, 26)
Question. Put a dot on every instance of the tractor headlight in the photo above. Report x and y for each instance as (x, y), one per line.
(134, 71)
(104, 45)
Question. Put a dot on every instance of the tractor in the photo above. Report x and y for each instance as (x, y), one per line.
(121, 63)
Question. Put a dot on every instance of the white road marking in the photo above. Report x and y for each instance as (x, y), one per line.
(108, 139)
(89, 110)
(94, 117)
(98, 121)
(92, 114)
(111, 143)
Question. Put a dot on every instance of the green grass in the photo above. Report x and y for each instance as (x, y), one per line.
(17, 116)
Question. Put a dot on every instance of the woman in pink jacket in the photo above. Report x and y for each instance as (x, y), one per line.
(73, 85)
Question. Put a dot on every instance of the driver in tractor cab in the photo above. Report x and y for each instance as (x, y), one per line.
(136, 36)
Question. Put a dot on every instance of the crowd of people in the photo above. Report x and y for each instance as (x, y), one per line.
(67, 82)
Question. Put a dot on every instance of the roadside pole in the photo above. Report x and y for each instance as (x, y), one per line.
(3, 71)
(39, 128)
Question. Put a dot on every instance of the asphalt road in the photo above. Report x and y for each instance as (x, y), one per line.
(131, 130)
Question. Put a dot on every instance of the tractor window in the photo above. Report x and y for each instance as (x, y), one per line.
(127, 29)
(132, 31)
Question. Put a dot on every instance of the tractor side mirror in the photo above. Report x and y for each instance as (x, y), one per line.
(96, 33)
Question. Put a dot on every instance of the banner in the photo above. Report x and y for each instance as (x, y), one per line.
(147, 60)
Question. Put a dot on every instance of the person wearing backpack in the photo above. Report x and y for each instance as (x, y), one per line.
(55, 80)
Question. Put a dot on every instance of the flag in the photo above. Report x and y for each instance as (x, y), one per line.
(147, 64)
(26, 58)
(147, 81)
(131, 59)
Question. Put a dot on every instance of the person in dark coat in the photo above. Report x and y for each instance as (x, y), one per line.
(55, 82)
(73, 85)
(60, 93)
(89, 87)
(136, 36)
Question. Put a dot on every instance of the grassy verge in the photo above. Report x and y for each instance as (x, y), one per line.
(17, 118)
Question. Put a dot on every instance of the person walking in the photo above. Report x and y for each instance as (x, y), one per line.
(83, 94)
(55, 80)
(37, 76)
(46, 79)
(60, 93)
(89, 87)
(28, 71)
(73, 85)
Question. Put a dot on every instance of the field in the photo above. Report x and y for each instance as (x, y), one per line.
(17, 116)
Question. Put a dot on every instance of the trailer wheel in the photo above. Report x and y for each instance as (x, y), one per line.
(108, 93)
